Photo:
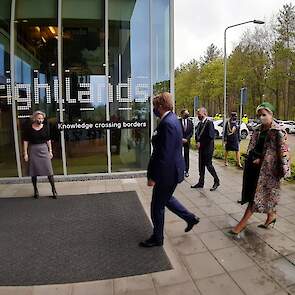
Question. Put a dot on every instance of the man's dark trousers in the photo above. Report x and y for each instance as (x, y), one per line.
(163, 196)
(187, 134)
(186, 147)
(205, 160)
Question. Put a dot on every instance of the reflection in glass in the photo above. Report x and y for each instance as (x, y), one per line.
(129, 75)
(7, 151)
(36, 69)
(84, 84)
(86, 87)
(161, 45)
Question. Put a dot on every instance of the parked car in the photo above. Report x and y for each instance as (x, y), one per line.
(196, 120)
(289, 126)
(252, 124)
(218, 125)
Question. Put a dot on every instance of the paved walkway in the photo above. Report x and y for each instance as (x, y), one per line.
(205, 261)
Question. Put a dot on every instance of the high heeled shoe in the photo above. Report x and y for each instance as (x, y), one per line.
(266, 225)
(36, 194)
(54, 194)
(235, 234)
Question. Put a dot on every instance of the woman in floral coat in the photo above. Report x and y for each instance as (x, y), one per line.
(267, 162)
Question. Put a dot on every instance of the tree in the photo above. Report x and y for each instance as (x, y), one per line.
(248, 67)
(263, 61)
(211, 54)
(185, 85)
(286, 39)
(286, 25)
(210, 86)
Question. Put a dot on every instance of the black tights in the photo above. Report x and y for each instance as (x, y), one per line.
(34, 181)
(50, 178)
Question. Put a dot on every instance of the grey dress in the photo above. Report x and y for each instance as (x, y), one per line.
(39, 158)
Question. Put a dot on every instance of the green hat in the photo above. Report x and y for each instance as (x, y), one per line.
(267, 106)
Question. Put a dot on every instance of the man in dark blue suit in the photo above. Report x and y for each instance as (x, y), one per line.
(166, 170)
(205, 134)
(187, 130)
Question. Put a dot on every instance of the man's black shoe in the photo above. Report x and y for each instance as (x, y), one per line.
(150, 243)
(186, 174)
(215, 186)
(198, 185)
(191, 224)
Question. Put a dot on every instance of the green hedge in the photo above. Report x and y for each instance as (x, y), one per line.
(292, 178)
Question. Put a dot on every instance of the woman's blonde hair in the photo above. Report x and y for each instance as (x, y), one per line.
(36, 113)
(164, 100)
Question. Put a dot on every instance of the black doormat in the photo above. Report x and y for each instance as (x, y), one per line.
(75, 239)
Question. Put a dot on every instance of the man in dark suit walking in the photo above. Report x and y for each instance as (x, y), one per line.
(205, 134)
(166, 170)
(187, 130)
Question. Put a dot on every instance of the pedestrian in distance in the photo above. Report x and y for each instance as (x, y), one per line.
(232, 139)
(245, 119)
(205, 134)
(187, 130)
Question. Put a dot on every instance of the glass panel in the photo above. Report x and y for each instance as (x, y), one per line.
(40, 9)
(7, 151)
(161, 45)
(36, 69)
(129, 78)
(85, 84)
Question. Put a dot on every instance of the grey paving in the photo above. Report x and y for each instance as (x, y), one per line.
(205, 261)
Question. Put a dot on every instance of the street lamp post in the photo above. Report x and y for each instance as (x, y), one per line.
(259, 22)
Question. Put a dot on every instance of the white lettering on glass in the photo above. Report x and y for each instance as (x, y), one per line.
(38, 86)
(23, 99)
(87, 93)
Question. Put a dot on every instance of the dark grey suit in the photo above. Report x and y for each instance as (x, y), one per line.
(205, 135)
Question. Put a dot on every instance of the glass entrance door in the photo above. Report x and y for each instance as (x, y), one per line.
(84, 81)
(129, 77)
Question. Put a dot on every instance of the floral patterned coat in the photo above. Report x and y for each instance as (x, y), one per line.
(275, 165)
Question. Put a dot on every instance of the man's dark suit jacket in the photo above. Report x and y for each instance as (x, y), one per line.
(206, 138)
(166, 166)
(188, 133)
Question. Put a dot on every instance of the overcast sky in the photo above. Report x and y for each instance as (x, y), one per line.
(199, 23)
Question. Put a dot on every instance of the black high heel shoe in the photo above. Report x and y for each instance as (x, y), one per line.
(235, 234)
(36, 194)
(54, 194)
(265, 226)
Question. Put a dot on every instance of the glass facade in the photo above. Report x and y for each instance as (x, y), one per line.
(8, 165)
(92, 66)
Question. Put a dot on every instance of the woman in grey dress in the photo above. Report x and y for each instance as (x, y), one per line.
(38, 152)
